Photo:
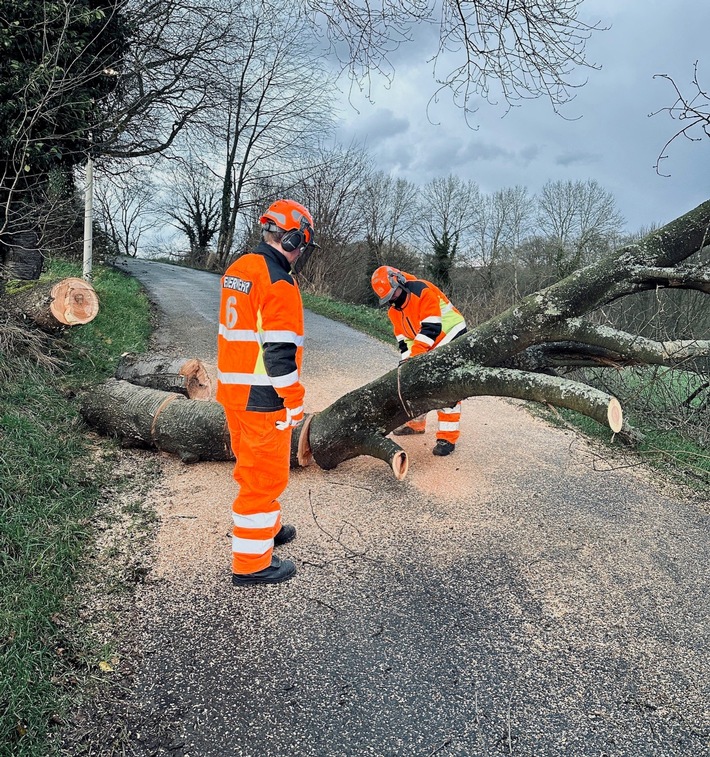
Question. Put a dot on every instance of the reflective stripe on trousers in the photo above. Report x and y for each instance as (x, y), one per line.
(449, 419)
(261, 470)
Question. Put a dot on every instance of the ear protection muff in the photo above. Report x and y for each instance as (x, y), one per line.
(296, 238)
(396, 279)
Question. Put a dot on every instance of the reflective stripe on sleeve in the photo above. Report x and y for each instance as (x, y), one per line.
(281, 382)
(457, 329)
(424, 339)
(251, 546)
(282, 336)
(256, 520)
(238, 335)
(432, 319)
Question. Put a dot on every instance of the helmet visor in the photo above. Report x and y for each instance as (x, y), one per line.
(388, 297)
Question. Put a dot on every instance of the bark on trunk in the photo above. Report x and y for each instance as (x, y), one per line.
(187, 376)
(511, 355)
(143, 417)
(55, 305)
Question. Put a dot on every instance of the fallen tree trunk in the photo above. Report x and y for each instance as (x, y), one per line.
(354, 425)
(56, 305)
(143, 417)
(514, 354)
(187, 376)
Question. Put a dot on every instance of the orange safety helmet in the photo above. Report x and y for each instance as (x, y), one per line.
(291, 217)
(385, 281)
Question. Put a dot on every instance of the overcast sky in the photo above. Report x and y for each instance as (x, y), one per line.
(614, 141)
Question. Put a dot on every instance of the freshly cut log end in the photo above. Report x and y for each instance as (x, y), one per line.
(74, 302)
(197, 380)
(615, 415)
(400, 465)
(304, 455)
(187, 376)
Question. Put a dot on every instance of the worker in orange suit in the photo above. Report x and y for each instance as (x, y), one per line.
(423, 318)
(259, 354)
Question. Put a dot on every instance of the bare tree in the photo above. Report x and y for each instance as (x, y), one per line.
(450, 210)
(125, 208)
(390, 208)
(500, 50)
(580, 219)
(332, 189)
(164, 81)
(693, 111)
(193, 202)
(275, 107)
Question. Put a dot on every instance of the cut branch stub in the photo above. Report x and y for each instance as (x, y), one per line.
(615, 416)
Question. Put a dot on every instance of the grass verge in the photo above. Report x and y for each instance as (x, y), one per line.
(52, 479)
(678, 458)
(368, 320)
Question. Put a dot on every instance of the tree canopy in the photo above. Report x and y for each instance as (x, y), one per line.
(55, 71)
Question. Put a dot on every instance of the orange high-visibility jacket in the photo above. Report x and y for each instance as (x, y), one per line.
(260, 341)
(426, 320)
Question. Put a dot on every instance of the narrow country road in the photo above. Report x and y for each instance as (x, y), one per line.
(525, 596)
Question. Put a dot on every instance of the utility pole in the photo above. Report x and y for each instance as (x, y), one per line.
(88, 216)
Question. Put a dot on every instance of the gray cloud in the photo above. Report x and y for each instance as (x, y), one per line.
(605, 133)
(574, 158)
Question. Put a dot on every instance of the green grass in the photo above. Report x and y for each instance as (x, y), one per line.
(51, 481)
(368, 320)
(668, 451)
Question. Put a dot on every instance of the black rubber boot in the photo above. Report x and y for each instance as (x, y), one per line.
(279, 570)
(285, 535)
(443, 448)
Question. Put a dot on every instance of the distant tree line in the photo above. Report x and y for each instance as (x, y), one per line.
(198, 114)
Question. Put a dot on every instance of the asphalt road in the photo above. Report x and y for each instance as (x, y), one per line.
(525, 596)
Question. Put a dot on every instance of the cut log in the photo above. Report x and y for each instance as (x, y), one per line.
(187, 376)
(143, 417)
(196, 429)
(55, 305)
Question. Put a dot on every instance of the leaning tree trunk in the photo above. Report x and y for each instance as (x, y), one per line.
(56, 305)
(188, 376)
(488, 359)
(512, 355)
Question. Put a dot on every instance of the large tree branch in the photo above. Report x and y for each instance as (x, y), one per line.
(632, 348)
(356, 423)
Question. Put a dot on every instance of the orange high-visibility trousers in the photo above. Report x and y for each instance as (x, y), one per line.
(261, 470)
(449, 420)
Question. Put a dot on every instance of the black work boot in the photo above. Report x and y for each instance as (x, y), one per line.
(279, 570)
(443, 448)
(406, 431)
(285, 535)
